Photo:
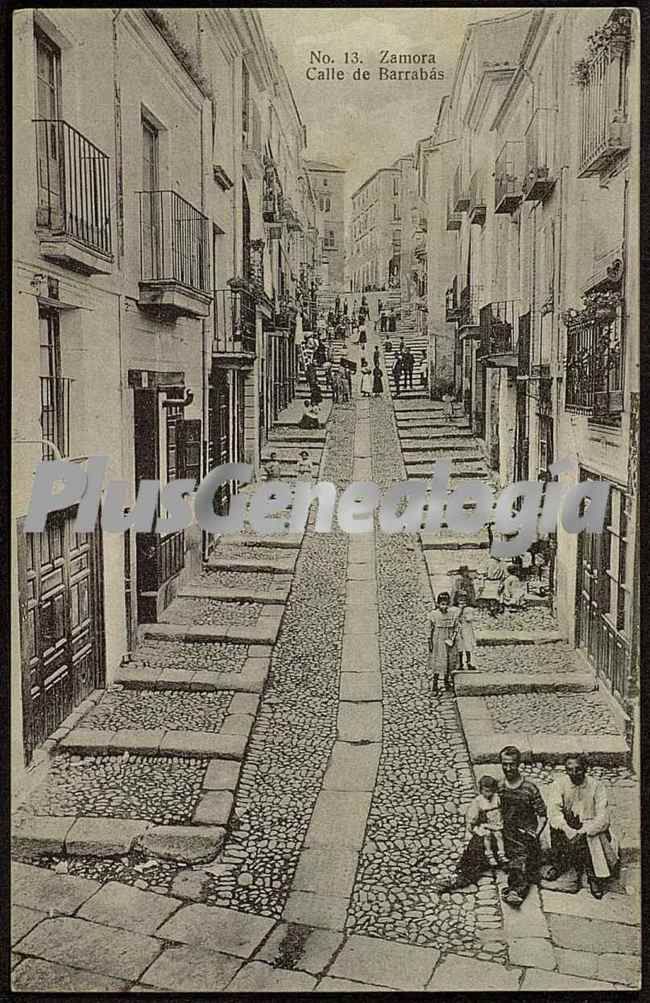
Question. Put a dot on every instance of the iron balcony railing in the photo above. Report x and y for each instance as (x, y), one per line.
(499, 324)
(174, 241)
(508, 177)
(477, 198)
(469, 305)
(55, 415)
(539, 144)
(73, 185)
(604, 128)
(452, 310)
(234, 321)
(454, 219)
(460, 200)
(594, 368)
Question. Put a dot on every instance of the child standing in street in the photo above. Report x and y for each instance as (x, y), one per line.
(442, 628)
(484, 818)
(465, 636)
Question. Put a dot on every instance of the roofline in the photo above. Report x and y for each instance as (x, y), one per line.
(372, 176)
(324, 170)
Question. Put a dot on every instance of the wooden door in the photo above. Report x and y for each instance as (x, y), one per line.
(61, 624)
(50, 160)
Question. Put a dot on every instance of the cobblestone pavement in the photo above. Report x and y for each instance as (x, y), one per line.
(535, 618)
(235, 551)
(415, 828)
(556, 713)
(558, 656)
(260, 581)
(211, 611)
(296, 724)
(126, 786)
(168, 709)
(221, 657)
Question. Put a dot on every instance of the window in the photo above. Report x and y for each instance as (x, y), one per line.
(324, 182)
(395, 186)
(321, 204)
(616, 597)
(49, 162)
(55, 391)
(328, 205)
(395, 210)
(245, 97)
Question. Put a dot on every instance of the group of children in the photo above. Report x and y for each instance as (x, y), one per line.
(452, 639)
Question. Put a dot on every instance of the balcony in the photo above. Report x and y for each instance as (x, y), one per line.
(454, 219)
(539, 142)
(508, 177)
(604, 124)
(252, 161)
(174, 256)
(420, 245)
(477, 208)
(499, 323)
(594, 368)
(468, 312)
(55, 416)
(452, 308)
(460, 199)
(234, 321)
(73, 215)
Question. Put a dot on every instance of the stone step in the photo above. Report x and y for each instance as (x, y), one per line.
(475, 684)
(290, 434)
(427, 457)
(234, 595)
(495, 638)
(438, 541)
(145, 674)
(549, 747)
(276, 567)
(283, 541)
(419, 471)
(264, 631)
(291, 454)
(159, 742)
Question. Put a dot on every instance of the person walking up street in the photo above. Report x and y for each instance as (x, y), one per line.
(397, 373)
(409, 365)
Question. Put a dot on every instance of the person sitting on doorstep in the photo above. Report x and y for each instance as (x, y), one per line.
(581, 838)
(310, 417)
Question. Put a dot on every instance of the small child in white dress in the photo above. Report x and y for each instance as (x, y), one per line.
(484, 818)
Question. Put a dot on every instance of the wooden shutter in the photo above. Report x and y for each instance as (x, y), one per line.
(188, 448)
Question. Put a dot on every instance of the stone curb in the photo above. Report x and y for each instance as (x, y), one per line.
(280, 567)
(494, 638)
(601, 750)
(211, 745)
(265, 631)
(235, 595)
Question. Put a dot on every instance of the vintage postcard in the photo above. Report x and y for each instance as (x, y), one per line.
(325, 534)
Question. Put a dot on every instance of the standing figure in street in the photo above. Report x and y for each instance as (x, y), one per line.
(377, 381)
(423, 369)
(465, 635)
(484, 818)
(392, 321)
(442, 629)
(448, 408)
(366, 379)
(397, 373)
(304, 467)
(344, 386)
(581, 838)
(376, 356)
(524, 818)
(362, 337)
(409, 365)
(383, 320)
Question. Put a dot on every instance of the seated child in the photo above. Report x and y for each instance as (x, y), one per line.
(484, 818)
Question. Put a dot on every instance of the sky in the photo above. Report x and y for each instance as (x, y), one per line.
(364, 125)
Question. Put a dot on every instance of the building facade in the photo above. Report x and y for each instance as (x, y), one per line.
(165, 249)
(533, 214)
(376, 232)
(328, 182)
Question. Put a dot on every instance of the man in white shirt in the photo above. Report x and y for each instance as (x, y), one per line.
(581, 839)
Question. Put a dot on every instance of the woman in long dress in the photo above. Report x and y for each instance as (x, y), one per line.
(377, 381)
(366, 381)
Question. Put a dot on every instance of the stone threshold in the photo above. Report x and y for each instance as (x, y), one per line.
(283, 541)
(224, 744)
(499, 637)
(264, 631)
(250, 680)
(431, 541)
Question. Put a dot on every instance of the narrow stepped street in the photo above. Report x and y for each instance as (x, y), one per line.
(272, 799)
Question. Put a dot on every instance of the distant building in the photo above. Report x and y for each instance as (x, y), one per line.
(327, 182)
(376, 234)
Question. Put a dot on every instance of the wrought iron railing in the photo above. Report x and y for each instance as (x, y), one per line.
(55, 415)
(539, 143)
(508, 176)
(604, 129)
(73, 185)
(174, 241)
(234, 321)
(499, 324)
(451, 301)
(469, 305)
(594, 368)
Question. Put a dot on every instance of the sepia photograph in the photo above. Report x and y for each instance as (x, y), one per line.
(325, 547)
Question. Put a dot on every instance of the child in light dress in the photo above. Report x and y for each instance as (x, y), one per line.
(484, 818)
(442, 629)
(465, 636)
(448, 409)
(304, 469)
